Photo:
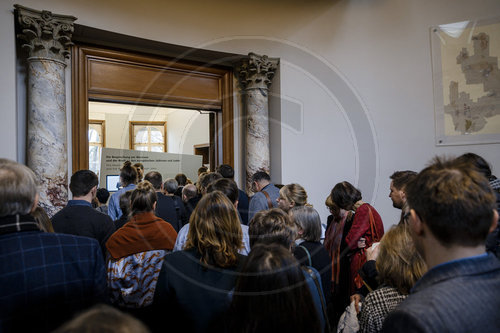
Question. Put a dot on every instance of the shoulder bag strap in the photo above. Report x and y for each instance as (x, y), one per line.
(375, 236)
(321, 297)
(308, 254)
(269, 202)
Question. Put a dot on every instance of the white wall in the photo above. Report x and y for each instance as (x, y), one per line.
(185, 128)
(355, 77)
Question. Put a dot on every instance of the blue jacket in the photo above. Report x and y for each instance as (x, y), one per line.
(114, 210)
(457, 296)
(259, 201)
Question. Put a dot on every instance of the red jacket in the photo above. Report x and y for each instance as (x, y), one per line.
(361, 227)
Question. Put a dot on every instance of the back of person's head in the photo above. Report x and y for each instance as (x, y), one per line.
(128, 174)
(345, 195)
(202, 169)
(170, 185)
(18, 188)
(272, 226)
(226, 171)
(189, 191)
(260, 176)
(143, 198)
(295, 194)
(454, 200)
(272, 288)
(226, 186)
(205, 180)
(401, 178)
(399, 265)
(154, 177)
(308, 222)
(181, 179)
(82, 182)
(103, 318)
(476, 161)
(124, 202)
(140, 171)
(215, 230)
(42, 219)
(102, 195)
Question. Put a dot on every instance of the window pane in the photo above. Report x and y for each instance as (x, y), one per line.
(156, 136)
(94, 159)
(142, 148)
(157, 148)
(142, 135)
(94, 136)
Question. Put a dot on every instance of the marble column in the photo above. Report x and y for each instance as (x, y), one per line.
(256, 74)
(47, 38)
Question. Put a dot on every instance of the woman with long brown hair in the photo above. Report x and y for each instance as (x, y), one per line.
(194, 284)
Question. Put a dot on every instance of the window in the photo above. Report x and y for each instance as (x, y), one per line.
(148, 136)
(96, 142)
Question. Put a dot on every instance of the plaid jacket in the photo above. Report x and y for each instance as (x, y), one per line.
(377, 306)
(45, 278)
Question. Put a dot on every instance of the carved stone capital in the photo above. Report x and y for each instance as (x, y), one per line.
(44, 34)
(256, 72)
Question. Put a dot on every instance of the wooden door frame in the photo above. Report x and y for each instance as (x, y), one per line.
(82, 92)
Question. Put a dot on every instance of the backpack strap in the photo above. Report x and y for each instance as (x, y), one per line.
(269, 202)
(321, 297)
(308, 254)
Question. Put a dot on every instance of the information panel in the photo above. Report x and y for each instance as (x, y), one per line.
(167, 164)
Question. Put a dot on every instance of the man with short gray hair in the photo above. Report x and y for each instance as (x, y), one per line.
(45, 278)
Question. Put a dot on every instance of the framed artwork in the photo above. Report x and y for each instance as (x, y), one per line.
(466, 78)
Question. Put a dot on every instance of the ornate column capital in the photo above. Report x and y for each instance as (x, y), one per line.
(256, 72)
(46, 35)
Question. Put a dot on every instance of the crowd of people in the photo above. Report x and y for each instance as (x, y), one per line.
(206, 257)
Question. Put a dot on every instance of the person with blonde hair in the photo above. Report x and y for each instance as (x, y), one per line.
(291, 195)
(136, 251)
(399, 266)
(194, 284)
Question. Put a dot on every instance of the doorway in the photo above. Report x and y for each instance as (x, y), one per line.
(102, 76)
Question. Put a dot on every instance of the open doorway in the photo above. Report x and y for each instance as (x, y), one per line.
(144, 92)
(147, 128)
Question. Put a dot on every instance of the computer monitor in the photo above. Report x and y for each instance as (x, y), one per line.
(113, 183)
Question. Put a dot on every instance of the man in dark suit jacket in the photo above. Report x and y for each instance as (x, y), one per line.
(78, 217)
(227, 171)
(168, 207)
(452, 212)
(190, 198)
(45, 278)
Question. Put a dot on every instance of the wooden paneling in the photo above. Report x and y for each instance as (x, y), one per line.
(153, 83)
(116, 76)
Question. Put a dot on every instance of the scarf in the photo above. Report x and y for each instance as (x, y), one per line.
(144, 232)
(333, 239)
(16, 223)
